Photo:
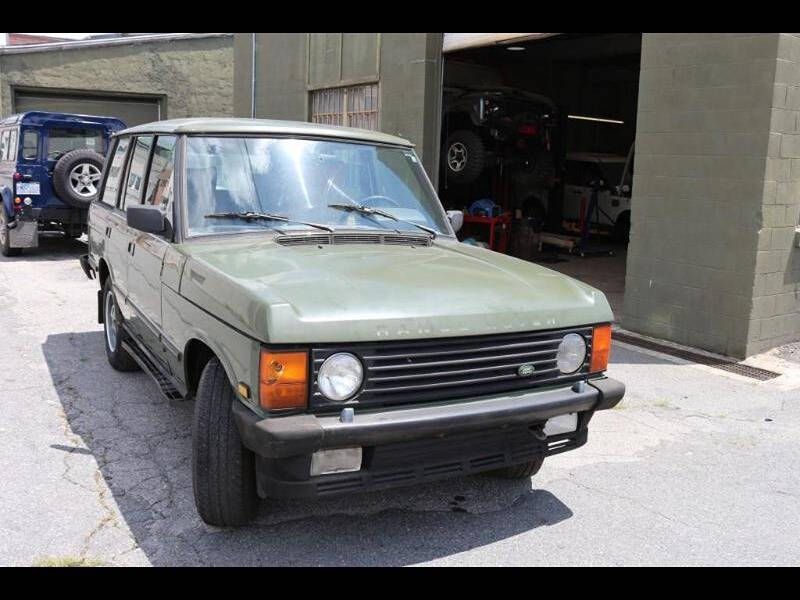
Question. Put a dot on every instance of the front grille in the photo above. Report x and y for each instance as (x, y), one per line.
(425, 370)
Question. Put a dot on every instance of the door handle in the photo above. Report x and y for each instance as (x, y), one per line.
(129, 247)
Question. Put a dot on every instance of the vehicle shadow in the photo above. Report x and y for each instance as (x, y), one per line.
(142, 445)
(50, 249)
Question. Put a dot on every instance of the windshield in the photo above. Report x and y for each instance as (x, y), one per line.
(299, 179)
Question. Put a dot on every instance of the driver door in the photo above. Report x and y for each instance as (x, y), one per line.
(148, 249)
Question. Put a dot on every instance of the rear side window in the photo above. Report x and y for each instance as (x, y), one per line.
(30, 145)
(111, 188)
(12, 145)
(136, 171)
(4, 144)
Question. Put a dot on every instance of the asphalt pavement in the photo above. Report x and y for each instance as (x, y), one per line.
(696, 466)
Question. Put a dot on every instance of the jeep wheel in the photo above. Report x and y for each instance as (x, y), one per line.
(521, 471)
(76, 177)
(224, 476)
(464, 156)
(118, 357)
(5, 241)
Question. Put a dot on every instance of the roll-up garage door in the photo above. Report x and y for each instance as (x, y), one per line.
(462, 41)
(131, 110)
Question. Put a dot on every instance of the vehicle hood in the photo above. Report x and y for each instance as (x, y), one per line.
(351, 293)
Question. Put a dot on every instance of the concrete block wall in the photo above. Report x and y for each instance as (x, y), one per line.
(775, 315)
(289, 66)
(711, 189)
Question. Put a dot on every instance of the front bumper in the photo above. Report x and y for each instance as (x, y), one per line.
(407, 445)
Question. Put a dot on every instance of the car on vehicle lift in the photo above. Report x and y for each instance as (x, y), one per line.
(480, 125)
(610, 177)
(50, 167)
(304, 285)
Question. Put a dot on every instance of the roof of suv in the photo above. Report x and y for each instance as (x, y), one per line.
(264, 126)
(45, 118)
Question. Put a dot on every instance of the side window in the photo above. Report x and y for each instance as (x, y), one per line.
(111, 188)
(3, 144)
(12, 146)
(159, 179)
(30, 145)
(136, 170)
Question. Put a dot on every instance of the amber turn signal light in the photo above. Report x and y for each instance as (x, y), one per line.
(283, 380)
(601, 348)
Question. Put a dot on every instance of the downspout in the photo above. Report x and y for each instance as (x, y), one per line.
(253, 79)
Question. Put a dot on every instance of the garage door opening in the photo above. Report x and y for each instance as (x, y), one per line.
(132, 110)
(537, 150)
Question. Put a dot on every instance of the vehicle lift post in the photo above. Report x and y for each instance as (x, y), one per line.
(583, 248)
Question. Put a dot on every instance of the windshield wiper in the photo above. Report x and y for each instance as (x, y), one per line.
(257, 216)
(367, 210)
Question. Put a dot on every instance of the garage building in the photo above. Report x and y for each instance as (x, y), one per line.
(136, 79)
(713, 259)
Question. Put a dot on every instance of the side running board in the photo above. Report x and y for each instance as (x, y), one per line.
(164, 381)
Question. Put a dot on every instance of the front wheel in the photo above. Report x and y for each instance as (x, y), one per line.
(522, 471)
(224, 476)
(464, 156)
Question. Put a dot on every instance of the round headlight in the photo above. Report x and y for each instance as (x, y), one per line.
(340, 376)
(571, 353)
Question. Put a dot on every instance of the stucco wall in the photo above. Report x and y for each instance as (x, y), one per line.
(195, 76)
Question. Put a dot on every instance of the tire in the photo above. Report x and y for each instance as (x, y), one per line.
(76, 177)
(520, 471)
(224, 476)
(118, 357)
(622, 228)
(5, 240)
(464, 156)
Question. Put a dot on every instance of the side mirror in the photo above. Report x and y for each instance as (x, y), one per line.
(456, 219)
(149, 219)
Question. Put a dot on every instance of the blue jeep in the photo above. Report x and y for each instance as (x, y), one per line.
(50, 168)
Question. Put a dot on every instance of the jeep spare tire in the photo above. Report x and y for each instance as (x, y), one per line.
(464, 156)
(76, 177)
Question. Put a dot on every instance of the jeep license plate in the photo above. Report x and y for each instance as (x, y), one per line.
(28, 189)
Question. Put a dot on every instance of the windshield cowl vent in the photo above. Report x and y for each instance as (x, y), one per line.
(392, 239)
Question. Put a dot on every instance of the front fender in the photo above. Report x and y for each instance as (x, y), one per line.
(183, 321)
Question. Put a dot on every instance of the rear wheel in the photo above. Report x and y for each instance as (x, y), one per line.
(224, 476)
(520, 471)
(5, 242)
(118, 357)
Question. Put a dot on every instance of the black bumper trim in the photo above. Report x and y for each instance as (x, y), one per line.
(302, 434)
(611, 392)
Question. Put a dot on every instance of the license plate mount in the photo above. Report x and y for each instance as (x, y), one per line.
(31, 188)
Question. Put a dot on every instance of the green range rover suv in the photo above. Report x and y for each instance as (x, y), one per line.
(303, 285)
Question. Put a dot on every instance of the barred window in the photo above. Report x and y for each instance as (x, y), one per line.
(355, 106)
